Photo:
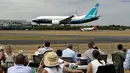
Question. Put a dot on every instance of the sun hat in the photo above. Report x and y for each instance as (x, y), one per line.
(50, 59)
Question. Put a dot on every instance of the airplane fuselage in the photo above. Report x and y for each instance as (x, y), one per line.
(73, 19)
(88, 28)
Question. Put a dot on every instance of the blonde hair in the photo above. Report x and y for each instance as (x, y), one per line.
(9, 50)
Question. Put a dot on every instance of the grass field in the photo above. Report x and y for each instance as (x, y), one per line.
(30, 49)
(54, 32)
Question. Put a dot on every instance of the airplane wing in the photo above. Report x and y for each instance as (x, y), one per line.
(67, 20)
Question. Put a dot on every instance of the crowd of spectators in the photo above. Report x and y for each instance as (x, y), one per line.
(53, 62)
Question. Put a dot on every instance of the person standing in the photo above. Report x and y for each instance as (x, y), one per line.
(45, 48)
(88, 53)
(93, 65)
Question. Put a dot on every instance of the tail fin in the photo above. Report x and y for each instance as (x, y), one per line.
(96, 27)
(93, 12)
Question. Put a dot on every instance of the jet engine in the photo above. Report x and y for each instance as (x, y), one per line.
(55, 22)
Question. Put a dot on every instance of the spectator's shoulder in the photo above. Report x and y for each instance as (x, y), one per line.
(28, 68)
(128, 51)
(87, 51)
(73, 51)
(64, 49)
(10, 68)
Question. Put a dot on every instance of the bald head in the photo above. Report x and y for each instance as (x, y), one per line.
(70, 46)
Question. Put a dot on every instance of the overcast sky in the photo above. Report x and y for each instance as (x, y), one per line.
(111, 11)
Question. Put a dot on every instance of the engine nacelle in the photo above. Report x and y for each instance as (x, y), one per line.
(55, 22)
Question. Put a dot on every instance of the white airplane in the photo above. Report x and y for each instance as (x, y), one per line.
(73, 19)
(89, 29)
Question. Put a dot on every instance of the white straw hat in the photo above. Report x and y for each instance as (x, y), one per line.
(50, 59)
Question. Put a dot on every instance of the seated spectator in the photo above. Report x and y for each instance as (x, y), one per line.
(19, 67)
(88, 53)
(121, 52)
(119, 65)
(2, 59)
(93, 65)
(70, 53)
(50, 60)
(127, 61)
(37, 52)
(59, 53)
(45, 48)
(2, 55)
(9, 57)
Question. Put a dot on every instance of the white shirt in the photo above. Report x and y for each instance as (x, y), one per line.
(54, 70)
(127, 60)
(96, 64)
(42, 50)
(88, 54)
(36, 53)
(60, 61)
(19, 69)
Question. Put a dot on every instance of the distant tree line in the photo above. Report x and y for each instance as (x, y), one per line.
(66, 27)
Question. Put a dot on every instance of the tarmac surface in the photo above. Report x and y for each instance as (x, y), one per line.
(97, 39)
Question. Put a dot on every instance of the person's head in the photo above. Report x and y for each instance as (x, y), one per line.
(2, 48)
(90, 44)
(47, 44)
(120, 47)
(9, 50)
(20, 52)
(20, 59)
(59, 53)
(96, 54)
(124, 50)
(69, 46)
(50, 59)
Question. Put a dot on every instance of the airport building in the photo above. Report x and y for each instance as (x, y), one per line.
(14, 22)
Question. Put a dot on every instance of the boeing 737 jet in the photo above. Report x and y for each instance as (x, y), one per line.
(73, 19)
(89, 29)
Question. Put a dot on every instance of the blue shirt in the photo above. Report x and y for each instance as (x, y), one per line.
(19, 69)
(127, 60)
(70, 53)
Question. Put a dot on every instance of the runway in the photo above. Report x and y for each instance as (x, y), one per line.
(97, 39)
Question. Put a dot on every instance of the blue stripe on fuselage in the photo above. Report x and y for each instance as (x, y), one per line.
(76, 21)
